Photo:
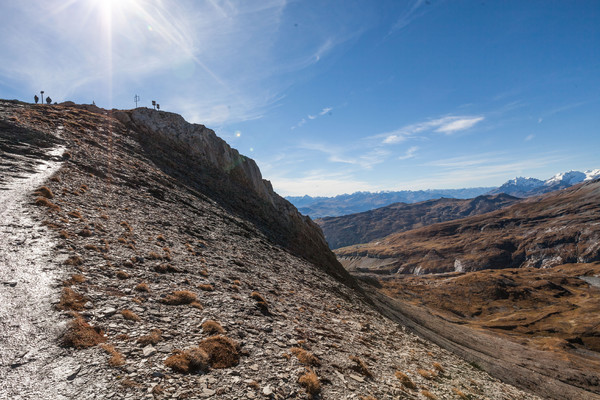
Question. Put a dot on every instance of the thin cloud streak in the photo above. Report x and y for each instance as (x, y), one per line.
(447, 125)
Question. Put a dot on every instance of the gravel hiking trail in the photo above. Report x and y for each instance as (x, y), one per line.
(32, 366)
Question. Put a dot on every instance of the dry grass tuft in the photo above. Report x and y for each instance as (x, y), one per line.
(153, 256)
(91, 247)
(74, 260)
(70, 300)
(42, 201)
(212, 327)
(197, 305)
(261, 303)
(80, 334)
(116, 358)
(460, 393)
(44, 191)
(310, 382)
(127, 227)
(438, 367)
(367, 398)
(85, 232)
(130, 315)
(304, 356)
(207, 287)
(161, 238)
(360, 367)
(75, 214)
(405, 380)
(164, 268)
(142, 287)
(152, 338)
(179, 297)
(223, 352)
(76, 278)
(122, 275)
(188, 361)
(429, 375)
(428, 394)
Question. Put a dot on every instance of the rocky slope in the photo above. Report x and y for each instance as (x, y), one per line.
(399, 217)
(557, 228)
(172, 288)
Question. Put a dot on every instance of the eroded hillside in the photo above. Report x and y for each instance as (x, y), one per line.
(184, 279)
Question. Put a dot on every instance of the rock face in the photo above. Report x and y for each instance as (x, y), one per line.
(194, 154)
(399, 217)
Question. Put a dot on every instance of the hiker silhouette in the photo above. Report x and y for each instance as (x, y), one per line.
(36, 98)
(48, 100)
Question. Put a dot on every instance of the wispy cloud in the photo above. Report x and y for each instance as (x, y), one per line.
(529, 137)
(337, 154)
(413, 11)
(311, 117)
(320, 183)
(410, 153)
(447, 125)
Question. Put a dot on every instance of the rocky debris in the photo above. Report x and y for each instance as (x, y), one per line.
(140, 217)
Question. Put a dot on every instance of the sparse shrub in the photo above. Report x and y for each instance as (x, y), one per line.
(153, 256)
(310, 381)
(64, 234)
(116, 358)
(261, 303)
(74, 260)
(164, 268)
(122, 275)
(80, 334)
(428, 394)
(460, 393)
(75, 214)
(405, 380)
(142, 287)
(152, 338)
(237, 282)
(258, 297)
(70, 300)
(76, 278)
(360, 367)
(304, 356)
(44, 191)
(204, 273)
(42, 201)
(254, 385)
(55, 179)
(223, 352)
(179, 297)
(429, 375)
(207, 287)
(438, 367)
(212, 327)
(191, 360)
(130, 315)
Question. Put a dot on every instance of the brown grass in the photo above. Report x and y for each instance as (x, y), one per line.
(55, 179)
(179, 297)
(212, 327)
(76, 278)
(75, 214)
(188, 361)
(44, 191)
(152, 338)
(428, 394)
(429, 375)
(460, 393)
(204, 273)
(130, 315)
(74, 260)
(116, 358)
(367, 398)
(261, 303)
(310, 382)
(304, 356)
(70, 300)
(197, 305)
(438, 367)
(142, 287)
(85, 232)
(207, 287)
(360, 366)
(103, 216)
(223, 352)
(122, 275)
(164, 268)
(161, 238)
(80, 334)
(153, 256)
(91, 247)
(42, 201)
(64, 234)
(127, 227)
(405, 380)
(257, 296)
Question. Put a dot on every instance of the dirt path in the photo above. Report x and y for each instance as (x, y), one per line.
(31, 363)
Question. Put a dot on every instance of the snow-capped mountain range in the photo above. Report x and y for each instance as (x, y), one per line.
(525, 187)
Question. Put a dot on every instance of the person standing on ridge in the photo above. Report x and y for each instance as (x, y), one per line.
(36, 98)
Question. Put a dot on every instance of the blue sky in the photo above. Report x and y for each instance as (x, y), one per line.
(333, 97)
